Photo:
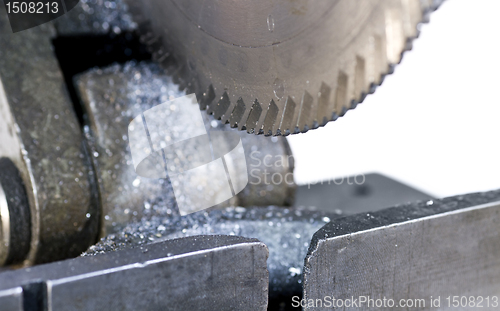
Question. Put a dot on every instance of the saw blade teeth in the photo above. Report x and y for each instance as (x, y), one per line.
(287, 118)
(372, 88)
(359, 76)
(253, 117)
(237, 113)
(222, 106)
(395, 35)
(356, 70)
(296, 130)
(323, 103)
(227, 114)
(391, 69)
(362, 97)
(305, 111)
(411, 13)
(242, 126)
(343, 111)
(408, 45)
(227, 109)
(259, 126)
(354, 104)
(437, 3)
(271, 115)
(382, 78)
(212, 107)
(341, 92)
(379, 59)
(334, 117)
(207, 97)
(426, 15)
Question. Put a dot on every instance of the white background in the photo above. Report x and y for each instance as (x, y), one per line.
(435, 123)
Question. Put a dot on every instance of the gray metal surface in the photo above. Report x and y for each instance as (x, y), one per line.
(12, 299)
(356, 194)
(286, 232)
(194, 273)
(279, 67)
(115, 95)
(439, 248)
(41, 135)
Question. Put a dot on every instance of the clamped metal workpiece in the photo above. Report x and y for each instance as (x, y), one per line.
(194, 273)
(435, 248)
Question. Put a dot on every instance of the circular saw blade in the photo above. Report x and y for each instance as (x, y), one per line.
(279, 67)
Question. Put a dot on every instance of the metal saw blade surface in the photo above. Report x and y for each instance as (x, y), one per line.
(279, 67)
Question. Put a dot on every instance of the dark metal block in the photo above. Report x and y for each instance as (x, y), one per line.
(356, 194)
